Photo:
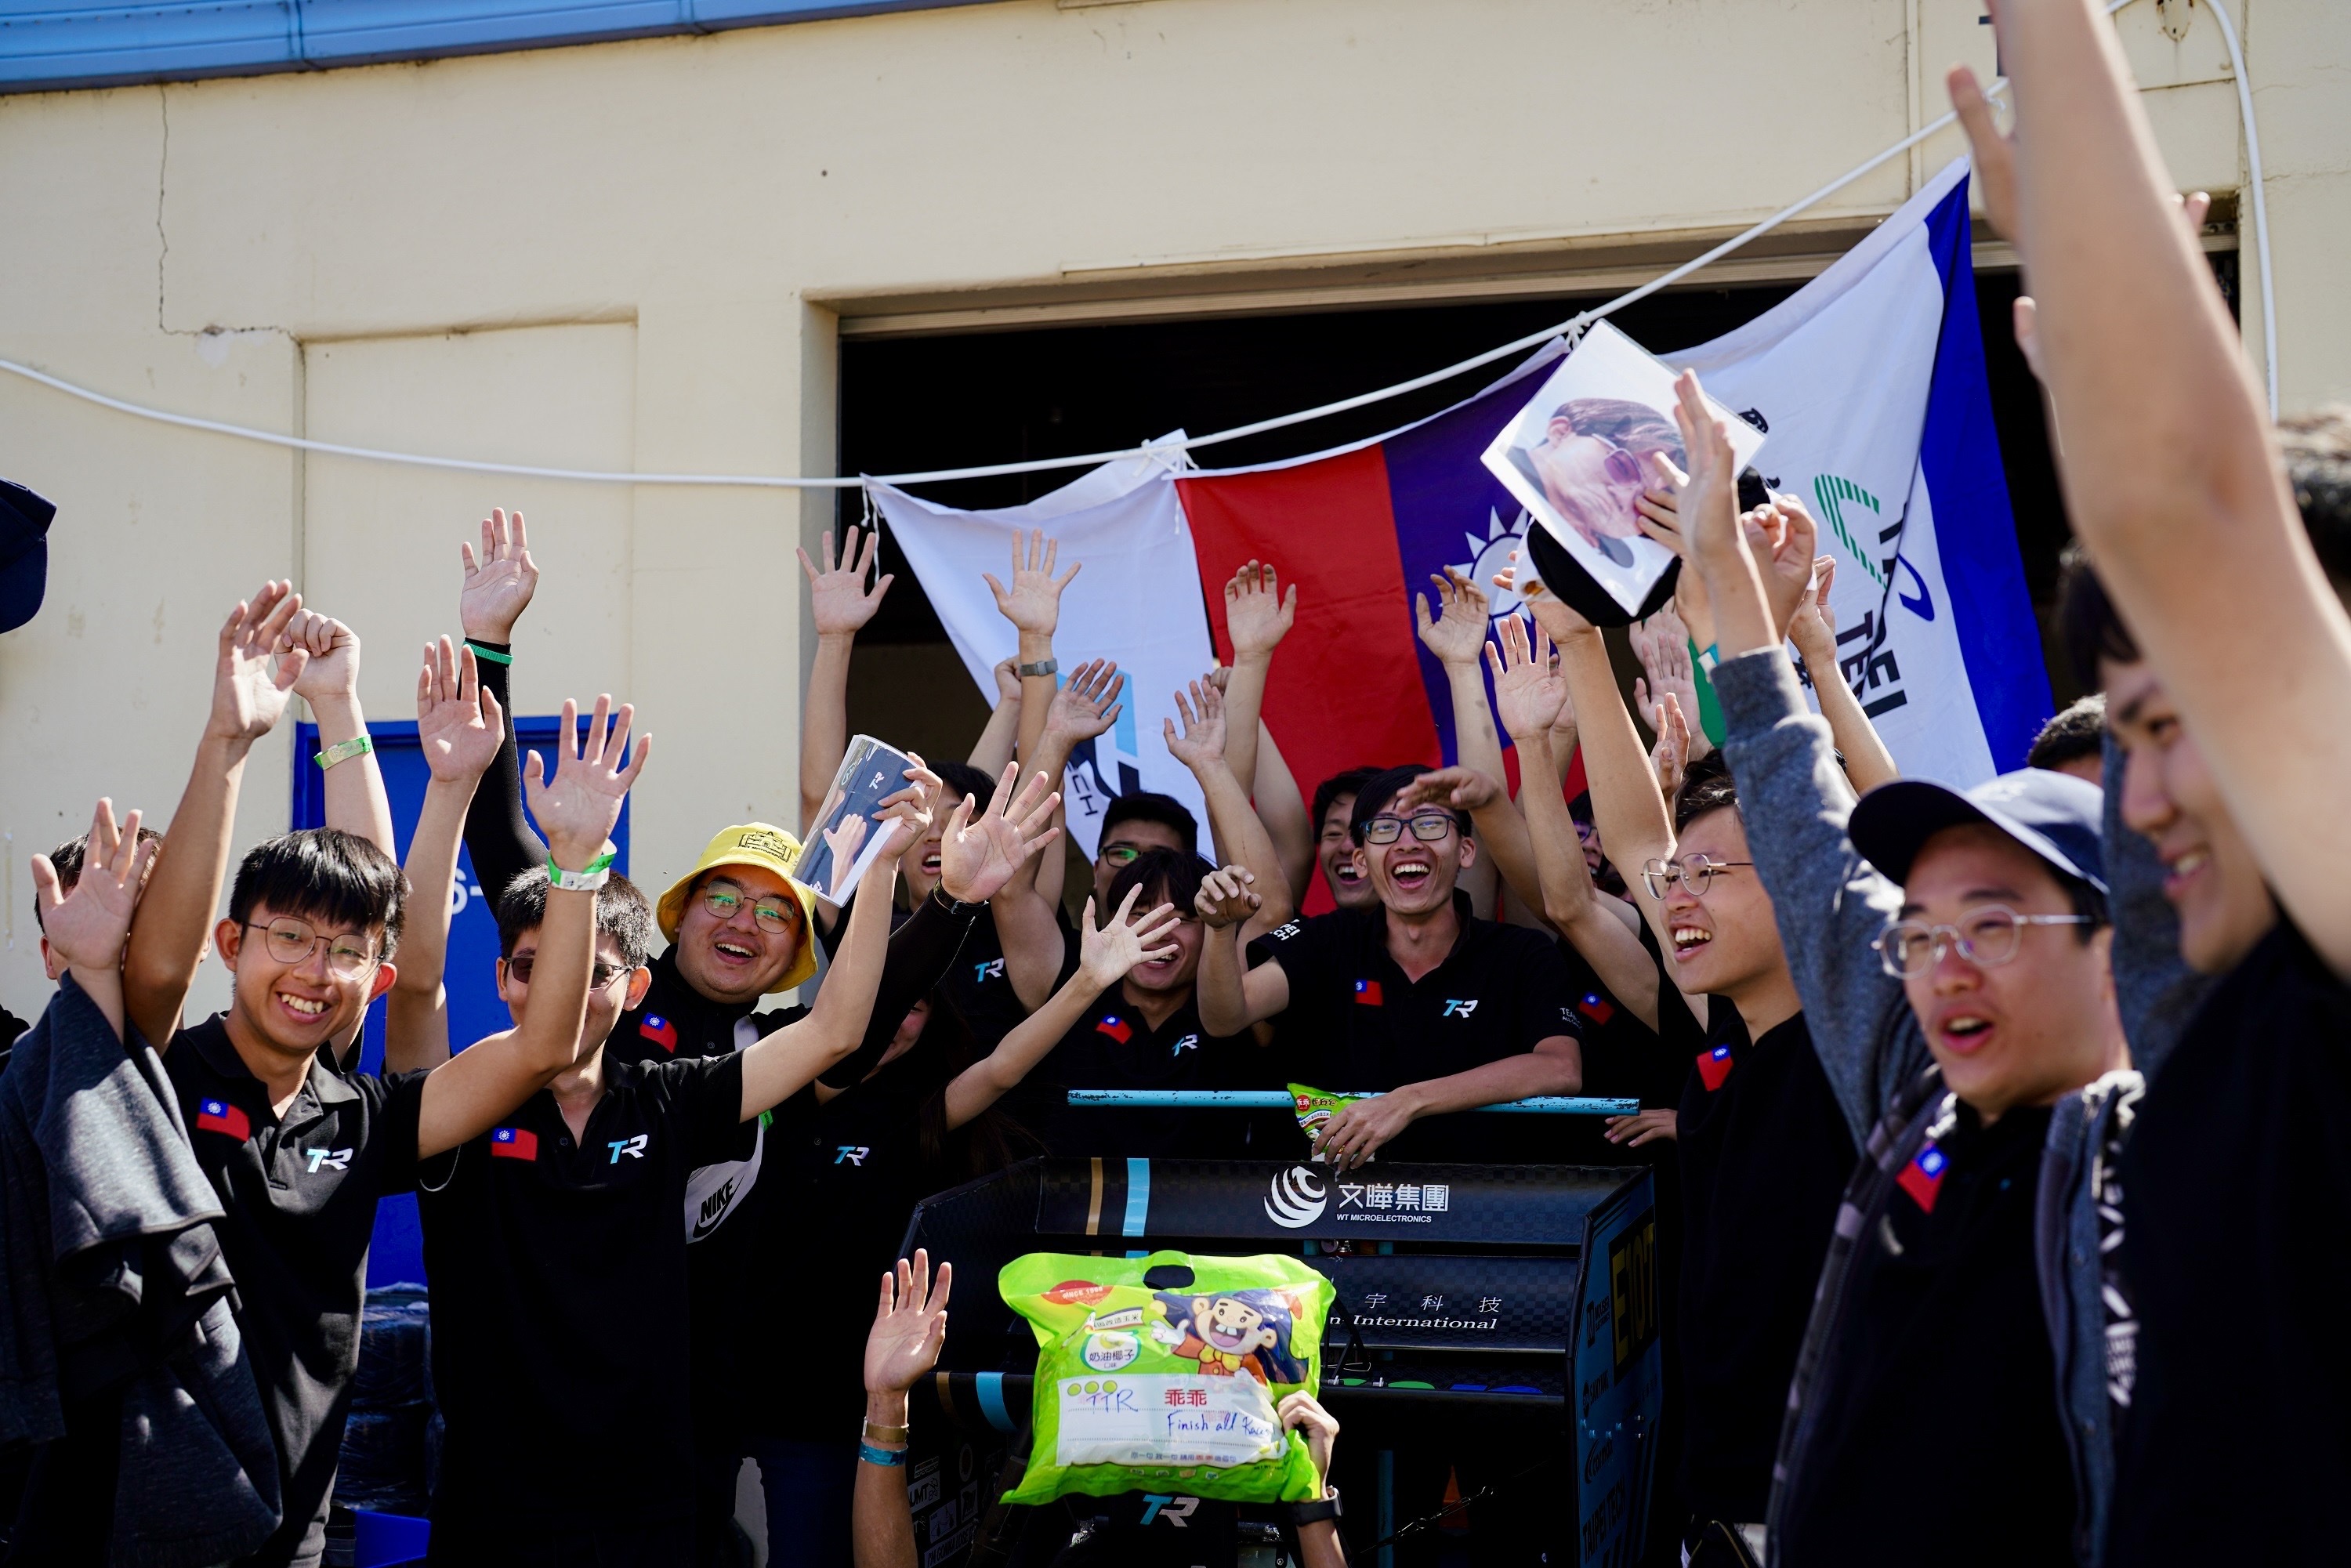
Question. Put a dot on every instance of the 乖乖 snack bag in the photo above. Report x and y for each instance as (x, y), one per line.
(1168, 1387)
(1315, 1107)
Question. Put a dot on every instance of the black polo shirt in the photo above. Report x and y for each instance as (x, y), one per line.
(2236, 1203)
(1355, 1022)
(1113, 1046)
(299, 1196)
(1765, 1155)
(559, 1274)
(1937, 1407)
(843, 1181)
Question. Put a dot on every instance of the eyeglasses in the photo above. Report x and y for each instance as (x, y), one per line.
(1120, 854)
(600, 977)
(1428, 827)
(1695, 872)
(1987, 937)
(771, 915)
(293, 941)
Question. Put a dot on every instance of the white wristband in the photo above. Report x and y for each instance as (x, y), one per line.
(598, 872)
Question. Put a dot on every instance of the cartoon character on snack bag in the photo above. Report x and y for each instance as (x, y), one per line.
(1230, 1332)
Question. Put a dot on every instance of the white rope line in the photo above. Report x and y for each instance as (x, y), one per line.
(1575, 324)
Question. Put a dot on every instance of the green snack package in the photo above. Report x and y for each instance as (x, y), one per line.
(1315, 1107)
(1168, 1390)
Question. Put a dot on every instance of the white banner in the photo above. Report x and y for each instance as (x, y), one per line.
(1137, 601)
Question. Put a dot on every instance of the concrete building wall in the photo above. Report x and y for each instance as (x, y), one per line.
(639, 256)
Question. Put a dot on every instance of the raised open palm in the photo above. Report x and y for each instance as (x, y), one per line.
(838, 597)
(1529, 692)
(1086, 704)
(499, 581)
(88, 926)
(1203, 740)
(459, 726)
(911, 1325)
(1106, 955)
(1459, 629)
(578, 807)
(1033, 603)
(1256, 614)
(253, 676)
(979, 855)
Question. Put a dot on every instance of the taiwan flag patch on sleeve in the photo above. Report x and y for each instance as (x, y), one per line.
(513, 1143)
(1922, 1178)
(1117, 1028)
(660, 1031)
(220, 1116)
(1367, 994)
(1596, 1008)
(1714, 1066)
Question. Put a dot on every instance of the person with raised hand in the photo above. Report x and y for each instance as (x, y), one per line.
(1456, 638)
(1257, 616)
(1951, 950)
(252, 675)
(579, 1190)
(910, 1327)
(1031, 927)
(2173, 478)
(354, 796)
(1662, 644)
(841, 604)
(1762, 1146)
(459, 729)
(497, 587)
(298, 1152)
(1234, 830)
(90, 924)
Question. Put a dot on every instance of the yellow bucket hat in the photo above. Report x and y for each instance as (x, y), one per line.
(769, 847)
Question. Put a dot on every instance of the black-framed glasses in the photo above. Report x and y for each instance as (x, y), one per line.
(598, 977)
(1695, 872)
(1986, 938)
(1428, 827)
(771, 915)
(1121, 854)
(292, 941)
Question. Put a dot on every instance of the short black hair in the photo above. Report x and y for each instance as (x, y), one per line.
(2317, 447)
(66, 858)
(962, 778)
(1174, 873)
(2087, 621)
(1146, 806)
(1707, 785)
(1382, 789)
(2075, 732)
(327, 876)
(621, 912)
(1327, 793)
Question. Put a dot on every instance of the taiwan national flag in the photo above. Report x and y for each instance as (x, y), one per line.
(1117, 1028)
(513, 1143)
(1922, 1178)
(1367, 994)
(220, 1116)
(660, 1031)
(1714, 1066)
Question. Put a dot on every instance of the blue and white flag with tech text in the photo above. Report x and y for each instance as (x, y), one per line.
(1870, 381)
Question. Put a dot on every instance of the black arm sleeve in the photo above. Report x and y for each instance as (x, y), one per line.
(497, 835)
(920, 951)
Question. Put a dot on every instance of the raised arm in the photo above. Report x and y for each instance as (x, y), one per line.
(1229, 995)
(89, 926)
(251, 681)
(1234, 828)
(900, 1352)
(1027, 922)
(1867, 763)
(2171, 474)
(839, 604)
(1831, 904)
(1033, 605)
(330, 681)
(459, 728)
(466, 1095)
(1104, 956)
(1662, 644)
(499, 586)
(1282, 809)
(1257, 618)
(992, 752)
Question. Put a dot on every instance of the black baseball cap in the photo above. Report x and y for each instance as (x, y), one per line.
(23, 553)
(2057, 816)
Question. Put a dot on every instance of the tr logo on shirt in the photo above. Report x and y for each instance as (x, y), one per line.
(632, 1147)
(852, 1154)
(1459, 1007)
(991, 970)
(338, 1158)
(1189, 1042)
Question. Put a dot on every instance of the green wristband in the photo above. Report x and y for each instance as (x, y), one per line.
(585, 881)
(491, 654)
(343, 751)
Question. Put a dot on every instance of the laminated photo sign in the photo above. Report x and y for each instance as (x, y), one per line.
(1163, 1372)
(1577, 457)
(847, 838)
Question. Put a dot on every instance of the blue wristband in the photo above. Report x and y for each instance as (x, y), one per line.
(890, 1459)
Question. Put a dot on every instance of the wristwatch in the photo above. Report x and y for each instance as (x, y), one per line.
(1323, 1508)
(1042, 668)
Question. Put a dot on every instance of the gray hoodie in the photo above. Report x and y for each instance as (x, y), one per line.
(1831, 904)
(114, 1279)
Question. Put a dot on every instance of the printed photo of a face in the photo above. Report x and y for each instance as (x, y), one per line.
(847, 838)
(1579, 454)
